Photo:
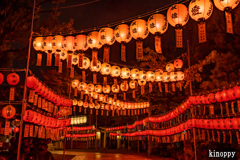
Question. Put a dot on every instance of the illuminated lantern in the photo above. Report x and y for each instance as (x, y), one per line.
(105, 70)
(94, 43)
(90, 87)
(218, 97)
(32, 82)
(169, 67)
(134, 74)
(178, 63)
(159, 78)
(211, 97)
(81, 46)
(75, 84)
(139, 31)
(48, 48)
(85, 65)
(178, 16)
(142, 83)
(222, 124)
(235, 123)
(115, 89)
(95, 95)
(227, 6)
(123, 88)
(123, 36)
(224, 95)
(28, 116)
(106, 37)
(75, 59)
(115, 72)
(201, 10)
(16, 129)
(230, 94)
(1, 78)
(150, 76)
(95, 69)
(63, 55)
(91, 106)
(106, 89)
(80, 103)
(173, 78)
(38, 43)
(157, 25)
(75, 102)
(13, 79)
(110, 100)
(132, 84)
(8, 112)
(69, 44)
(143, 75)
(237, 91)
(97, 106)
(166, 78)
(82, 86)
(98, 88)
(85, 105)
(57, 44)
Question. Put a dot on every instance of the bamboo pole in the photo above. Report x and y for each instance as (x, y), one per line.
(194, 129)
(25, 85)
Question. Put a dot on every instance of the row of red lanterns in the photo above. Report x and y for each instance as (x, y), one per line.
(221, 96)
(39, 119)
(81, 135)
(46, 93)
(82, 128)
(115, 128)
(12, 79)
(218, 124)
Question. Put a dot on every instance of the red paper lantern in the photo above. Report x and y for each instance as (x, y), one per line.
(206, 123)
(39, 87)
(216, 124)
(228, 123)
(46, 91)
(42, 90)
(202, 124)
(198, 100)
(8, 112)
(237, 91)
(230, 94)
(1, 78)
(13, 79)
(222, 124)
(16, 129)
(218, 97)
(28, 116)
(32, 82)
(235, 123)
(211, 98)
(224, 96)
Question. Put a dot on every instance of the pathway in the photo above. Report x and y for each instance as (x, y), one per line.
(77, 155)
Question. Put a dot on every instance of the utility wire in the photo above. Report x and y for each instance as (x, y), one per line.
(82, 4)
(115, 23)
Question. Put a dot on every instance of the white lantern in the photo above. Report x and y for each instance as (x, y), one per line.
(157, 25)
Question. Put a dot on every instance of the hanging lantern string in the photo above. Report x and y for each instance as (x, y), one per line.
(12, 69)
(115, 23)
(8, 102)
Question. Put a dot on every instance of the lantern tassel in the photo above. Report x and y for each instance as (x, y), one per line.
(39, 59)
(104, 80)
(101, 112)
(202, 37)
(173, 87)
(80, 60)
(124, 95)
(179, 43)
(123, 52)
(150, 87)
(133, 94)
(232, 107)
(83, 76)
(158, 47)
(160, 86)
(94, 78)
(229, 24)
(94, 57)
(142, 89)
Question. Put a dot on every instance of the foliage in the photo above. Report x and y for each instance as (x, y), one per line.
(15, 24)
